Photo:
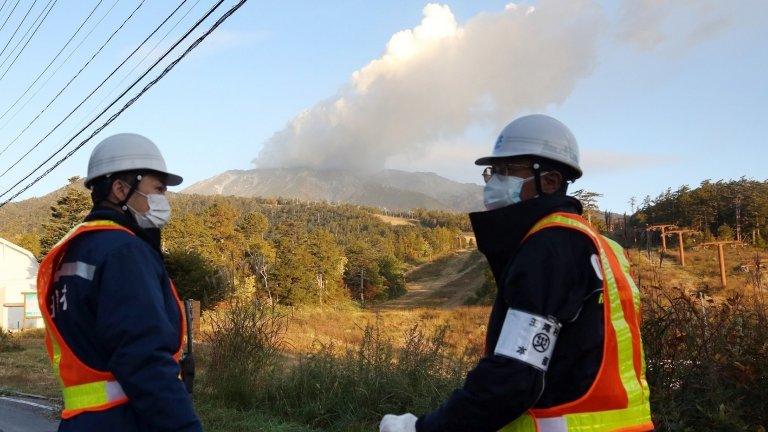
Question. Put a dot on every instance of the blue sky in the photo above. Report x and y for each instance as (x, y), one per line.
(682, 108)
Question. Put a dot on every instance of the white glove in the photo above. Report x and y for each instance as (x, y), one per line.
(398, 423)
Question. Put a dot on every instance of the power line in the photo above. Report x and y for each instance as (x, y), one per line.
(10, 53)
(62, 91)
(52, 3)
(136, 66)
(17, 28)
(58, 68)
(9, 15)
(1, 10)
(130, 102)
(213, 8)
(90, 94)
(71, 38)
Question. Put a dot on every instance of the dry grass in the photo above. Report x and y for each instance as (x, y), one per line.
(701, 273)
(436, 267)
(396, 221)
(28, 369)
(342, 327)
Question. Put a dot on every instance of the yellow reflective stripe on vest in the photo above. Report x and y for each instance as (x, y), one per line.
(91, 395)
(635, 393)
(619, 251)
(56, 360)
(88, 395)
(524, 423)
(602, 421)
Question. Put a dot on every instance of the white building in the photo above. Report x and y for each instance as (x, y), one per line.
(18, 293)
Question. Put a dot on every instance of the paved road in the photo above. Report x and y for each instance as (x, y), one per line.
(26, 415)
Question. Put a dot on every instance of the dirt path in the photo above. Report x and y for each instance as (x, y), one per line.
(444, 283)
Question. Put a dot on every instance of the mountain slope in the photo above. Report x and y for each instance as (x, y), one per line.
(389, 188)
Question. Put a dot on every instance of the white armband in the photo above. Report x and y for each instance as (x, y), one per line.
(528, 338)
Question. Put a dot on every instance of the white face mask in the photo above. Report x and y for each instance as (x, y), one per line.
(501, 191)
(159, 212)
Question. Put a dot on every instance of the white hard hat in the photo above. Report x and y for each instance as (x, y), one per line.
(127, 152)
(540, 136)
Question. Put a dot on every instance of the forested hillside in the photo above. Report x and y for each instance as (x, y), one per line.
(734, 208)
(286, 251)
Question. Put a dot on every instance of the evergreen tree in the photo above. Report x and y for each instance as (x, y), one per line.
(69, 210)
(589, 201)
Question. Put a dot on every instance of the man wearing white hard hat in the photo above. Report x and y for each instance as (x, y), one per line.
(563, 348)
(114, 327)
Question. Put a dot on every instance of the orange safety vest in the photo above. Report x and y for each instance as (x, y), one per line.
(618, 400)
(84, 389)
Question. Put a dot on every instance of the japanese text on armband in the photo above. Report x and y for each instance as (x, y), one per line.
(528, 338)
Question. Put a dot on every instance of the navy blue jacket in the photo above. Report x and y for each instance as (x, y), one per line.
(550, 274)
(121, 316)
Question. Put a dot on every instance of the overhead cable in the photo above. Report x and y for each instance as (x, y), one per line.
(17, 28)
(49, 6)
(66, 60)
(71, 38)
(136, 66)
(9, 15)
(62, 91)
(130, 102)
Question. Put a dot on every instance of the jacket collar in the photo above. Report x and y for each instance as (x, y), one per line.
(150, 236)
(499, 232)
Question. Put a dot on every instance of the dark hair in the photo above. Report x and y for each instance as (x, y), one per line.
(101, 187)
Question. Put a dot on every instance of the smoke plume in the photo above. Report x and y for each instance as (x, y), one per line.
(436, 79)
(647, 24)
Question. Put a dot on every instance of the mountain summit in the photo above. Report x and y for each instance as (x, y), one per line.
(393, 189)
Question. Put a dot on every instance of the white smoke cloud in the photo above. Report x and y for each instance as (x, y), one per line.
(435, 80)
(648, 24)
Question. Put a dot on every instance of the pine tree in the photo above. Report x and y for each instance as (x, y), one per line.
(69, 210)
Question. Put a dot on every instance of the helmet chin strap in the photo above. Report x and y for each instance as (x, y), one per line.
(537, 179)
(134, 185)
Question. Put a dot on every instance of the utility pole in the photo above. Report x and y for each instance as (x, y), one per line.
(721, 258)
(681, 246)
(663, 229)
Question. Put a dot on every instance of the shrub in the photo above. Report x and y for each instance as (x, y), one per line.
(243, 346)
(7, 342)
(351, 391)
(485, 294)
(707, 362)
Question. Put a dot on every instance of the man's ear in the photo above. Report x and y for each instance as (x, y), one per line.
(119, 190)
(552, 181)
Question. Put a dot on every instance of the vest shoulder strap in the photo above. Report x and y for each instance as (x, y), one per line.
(565, 220)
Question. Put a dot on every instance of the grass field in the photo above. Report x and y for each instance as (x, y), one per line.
(26, 368)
